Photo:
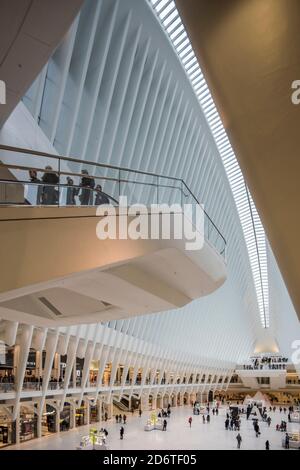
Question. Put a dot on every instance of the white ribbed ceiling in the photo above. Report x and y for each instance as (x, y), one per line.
(116, 92)
(250, 220)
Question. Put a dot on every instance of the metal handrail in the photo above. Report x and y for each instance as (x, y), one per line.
(34, 153)
(68, 173)
(60, 158)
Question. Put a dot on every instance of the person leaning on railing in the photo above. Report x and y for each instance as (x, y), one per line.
(34, 179)
(100, 197)
(72, 192)
(50, 193)
(87, 184)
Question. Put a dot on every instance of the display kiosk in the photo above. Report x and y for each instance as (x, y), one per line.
(295, 417)
(96, 440)
(294, 442)
(153, 422)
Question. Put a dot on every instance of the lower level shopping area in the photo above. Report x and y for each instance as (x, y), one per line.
(57, 419)
(70, 427)
(56, 381)
(180, 434)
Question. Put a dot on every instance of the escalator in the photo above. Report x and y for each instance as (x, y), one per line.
(122, 405)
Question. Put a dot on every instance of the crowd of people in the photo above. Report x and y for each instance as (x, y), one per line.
(165, 413)
(7, 378)
(282, 426)
(88, 193)
(267, 362)
(232, 422)
(119, 418)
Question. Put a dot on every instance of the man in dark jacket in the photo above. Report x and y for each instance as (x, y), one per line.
(71, 192)
(87, 184)
(100, 197)
(38, 187)
(50, 192)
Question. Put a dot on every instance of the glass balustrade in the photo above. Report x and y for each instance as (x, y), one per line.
(29, 178)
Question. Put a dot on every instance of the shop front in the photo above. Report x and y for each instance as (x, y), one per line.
(135, 403)
(65, 417)
(106, 375)
(28, 424)
(79, 370)
(94, 414)
(7, 429)
(49, 420)
(62, 366)
(94, 369)
(7, 372)
(80, 414)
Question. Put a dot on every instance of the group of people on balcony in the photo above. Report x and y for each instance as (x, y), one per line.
(273, 363)
(7, 379)
(88, 192)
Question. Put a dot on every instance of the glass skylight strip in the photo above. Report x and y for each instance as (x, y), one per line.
(252, 227)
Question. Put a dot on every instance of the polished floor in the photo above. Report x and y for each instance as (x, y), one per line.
(179, 436)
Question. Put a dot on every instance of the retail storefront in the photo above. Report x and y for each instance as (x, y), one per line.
(94, 414)
(7, 429)
(7, 372)
(94, 369)
(81, 414)
(49, 421)
(106, 375)
(65, 417)
(79, 369)
(135, 403)
(28, 424)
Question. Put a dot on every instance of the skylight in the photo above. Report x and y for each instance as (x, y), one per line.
(252, 227)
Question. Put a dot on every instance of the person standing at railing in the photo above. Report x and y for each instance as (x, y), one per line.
(39, 189)
(87, 184)
(100, 197)
(71, 192)
(50, 193)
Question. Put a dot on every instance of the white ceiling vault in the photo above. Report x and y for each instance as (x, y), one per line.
(252, 227)
(117, 91)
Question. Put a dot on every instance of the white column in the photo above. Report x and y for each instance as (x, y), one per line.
(39, 422)
(110, 410)
(72, 417)
(154, 402)
(87, 414)
(23, 356)
(74, 374)
(181, 399)
(99, 404)
(57, 420)
(57, 365)
(10, 332)
(18, 427)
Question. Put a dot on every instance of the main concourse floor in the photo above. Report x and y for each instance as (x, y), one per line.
(179, 436)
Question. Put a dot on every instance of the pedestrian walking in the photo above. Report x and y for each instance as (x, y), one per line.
(239, 440)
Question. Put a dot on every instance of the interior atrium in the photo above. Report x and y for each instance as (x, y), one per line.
(149, 225)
